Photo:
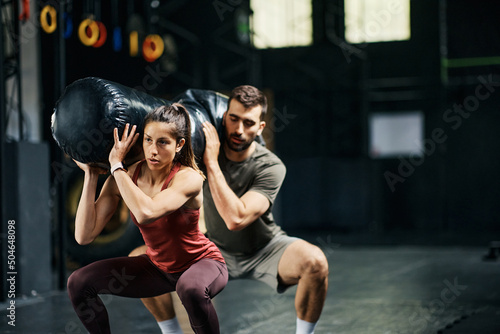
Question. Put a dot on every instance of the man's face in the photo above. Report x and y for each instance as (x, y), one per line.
(242, 125)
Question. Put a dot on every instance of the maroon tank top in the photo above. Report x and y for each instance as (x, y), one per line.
(175, 241)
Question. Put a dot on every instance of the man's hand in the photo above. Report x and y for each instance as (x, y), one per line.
(212, 144)
(123, 146)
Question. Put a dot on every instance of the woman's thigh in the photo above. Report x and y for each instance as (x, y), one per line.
(135, 277)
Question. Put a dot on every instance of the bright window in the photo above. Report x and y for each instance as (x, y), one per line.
(396, 134)
(281, 23)
(376, 20)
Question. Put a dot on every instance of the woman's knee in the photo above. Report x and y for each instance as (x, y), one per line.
(79, 282)
(191, 292)
(75, 283)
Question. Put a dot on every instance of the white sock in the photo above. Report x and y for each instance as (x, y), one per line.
(304, 327)
(170, 326)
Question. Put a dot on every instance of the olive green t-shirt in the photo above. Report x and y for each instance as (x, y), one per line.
(264, 173)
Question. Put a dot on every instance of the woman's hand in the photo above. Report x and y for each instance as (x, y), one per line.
(123, 146)
(90, 169)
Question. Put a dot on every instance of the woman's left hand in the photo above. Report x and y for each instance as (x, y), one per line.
(123, 146)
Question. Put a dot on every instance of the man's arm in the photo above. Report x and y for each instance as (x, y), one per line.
(237, 212)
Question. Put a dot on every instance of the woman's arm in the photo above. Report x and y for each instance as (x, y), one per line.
(185, 185)
(92, 215)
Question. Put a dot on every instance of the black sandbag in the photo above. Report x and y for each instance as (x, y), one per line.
(89, 109)
(202, 105)
(87, 112)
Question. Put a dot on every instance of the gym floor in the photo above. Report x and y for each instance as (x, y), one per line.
(399, 283)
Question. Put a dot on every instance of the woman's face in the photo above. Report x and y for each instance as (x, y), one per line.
(159, 145)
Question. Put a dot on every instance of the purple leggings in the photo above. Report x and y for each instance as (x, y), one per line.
(138, 277)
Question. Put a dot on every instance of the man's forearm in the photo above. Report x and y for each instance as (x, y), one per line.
(229, 206)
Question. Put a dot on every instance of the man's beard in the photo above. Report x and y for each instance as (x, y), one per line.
(236, 147)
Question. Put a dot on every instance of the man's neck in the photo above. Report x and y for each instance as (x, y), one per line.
(239, 156)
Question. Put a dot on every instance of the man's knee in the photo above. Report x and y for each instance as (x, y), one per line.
(315, 262)
(138, 251)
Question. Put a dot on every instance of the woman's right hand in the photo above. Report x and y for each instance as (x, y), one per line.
(90, 169)
(92, 215)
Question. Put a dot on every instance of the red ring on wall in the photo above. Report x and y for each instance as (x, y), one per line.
(103, 35)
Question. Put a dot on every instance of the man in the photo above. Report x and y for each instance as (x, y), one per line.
(243, 181)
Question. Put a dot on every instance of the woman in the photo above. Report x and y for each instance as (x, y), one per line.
(163, 193)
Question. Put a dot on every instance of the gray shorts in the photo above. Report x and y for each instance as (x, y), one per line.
(263, 265)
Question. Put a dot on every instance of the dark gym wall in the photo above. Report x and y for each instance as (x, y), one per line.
(328, 92)
(405, 76)
(472, 159)
(318, 125)
(339, 186)
(455, 188)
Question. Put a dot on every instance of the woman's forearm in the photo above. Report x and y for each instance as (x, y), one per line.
(137, 202)
(144, 208)
(85, 221)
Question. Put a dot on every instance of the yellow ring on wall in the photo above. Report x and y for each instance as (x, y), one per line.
(133, 43)
(152, 47)
(82, 32)
(51, 11)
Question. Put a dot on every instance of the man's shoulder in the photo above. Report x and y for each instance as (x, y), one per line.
(265, 156)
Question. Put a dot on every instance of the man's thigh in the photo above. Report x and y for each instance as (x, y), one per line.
(263, 265)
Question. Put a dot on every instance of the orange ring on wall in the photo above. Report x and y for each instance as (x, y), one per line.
(51, 11)
(103, 34)
(133, 43)
(152, 47)
(94, 32)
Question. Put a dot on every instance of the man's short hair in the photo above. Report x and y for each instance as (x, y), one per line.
(249, 97)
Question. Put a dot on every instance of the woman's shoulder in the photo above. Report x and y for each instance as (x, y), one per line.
(188, 178)
(192, 183)
(189, 172)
